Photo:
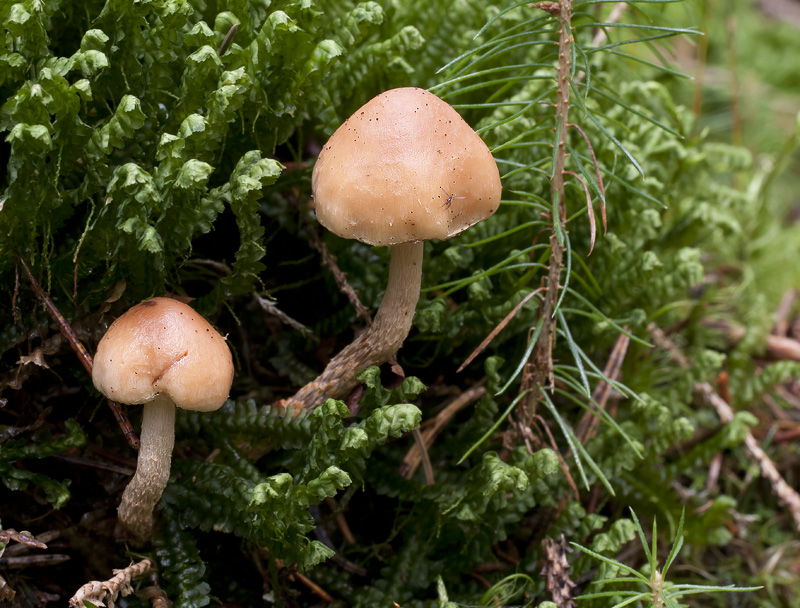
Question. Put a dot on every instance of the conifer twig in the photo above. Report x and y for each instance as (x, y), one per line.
(539, 370)
(120, 584)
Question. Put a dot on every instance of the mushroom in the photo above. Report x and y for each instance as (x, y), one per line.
(163, 354)
(404, 168)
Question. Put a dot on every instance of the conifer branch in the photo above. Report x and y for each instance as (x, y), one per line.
(539, 370)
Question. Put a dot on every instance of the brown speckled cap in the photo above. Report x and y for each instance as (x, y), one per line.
(163, 346)
(404, 167)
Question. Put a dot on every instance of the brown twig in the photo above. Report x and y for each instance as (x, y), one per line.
(426, 461)
(28, 561)
(498, 329)
(157, 596)
(86, 462)
(80, 350)
(602, 35)
(6, 593)
(787, 11)
(15, 295)
(785, 493)
(329, 260)
(781, 327)
(341, 521)
(226, 42)
(271, 308)
(776, 347)
(588, 424)
(564, 466)
(616, 14)
(661, 340)
(434, 426)
(293, 575)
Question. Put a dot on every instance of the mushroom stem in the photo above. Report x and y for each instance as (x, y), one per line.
(380, 341)
(152, 468)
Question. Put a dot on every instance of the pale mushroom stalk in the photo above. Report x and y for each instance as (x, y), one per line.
(152, 467)
(381, 341)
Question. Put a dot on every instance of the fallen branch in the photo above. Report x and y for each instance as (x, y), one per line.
(787, 496)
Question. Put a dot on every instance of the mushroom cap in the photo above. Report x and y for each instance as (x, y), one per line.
(404, 167)
(163, 346)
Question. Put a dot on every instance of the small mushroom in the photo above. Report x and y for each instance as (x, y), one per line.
(163, 354)
(404, 168)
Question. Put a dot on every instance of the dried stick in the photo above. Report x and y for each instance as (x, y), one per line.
(588, 424)
(26, 561)
(310, 585)
(157, 596)
(426, 461)
(341, 521)
(414, 456)
(781, 327)
(497, 329)
(776, 347)
(96, 591)
(785, 493)
(329, 260)
(271, 308)
(80, 350)
(561, 460)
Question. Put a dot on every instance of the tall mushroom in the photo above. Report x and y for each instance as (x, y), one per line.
(404, 168)
(163, 354)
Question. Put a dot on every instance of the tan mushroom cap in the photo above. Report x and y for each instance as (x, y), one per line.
(163, 346)
(404, 167)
